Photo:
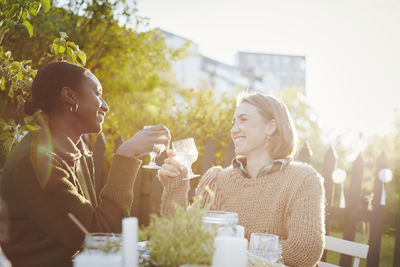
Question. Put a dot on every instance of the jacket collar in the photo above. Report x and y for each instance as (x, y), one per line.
(59, 143)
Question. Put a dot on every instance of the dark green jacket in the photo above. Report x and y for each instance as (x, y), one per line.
(46, 177)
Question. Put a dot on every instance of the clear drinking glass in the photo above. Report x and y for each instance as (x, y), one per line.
(159, 147)
(265, 246)
(186, 153)
(103, 242)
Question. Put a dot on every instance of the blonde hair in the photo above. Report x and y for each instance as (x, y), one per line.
(284, 139)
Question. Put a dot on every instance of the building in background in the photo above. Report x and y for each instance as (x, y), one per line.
(266, 73)
(274, 71)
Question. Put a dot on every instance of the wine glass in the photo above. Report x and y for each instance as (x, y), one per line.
(158, 147)
(186, 153)
(265, 246)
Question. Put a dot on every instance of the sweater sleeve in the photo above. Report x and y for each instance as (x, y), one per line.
(305, 224)
(49, 196)
(175, 192)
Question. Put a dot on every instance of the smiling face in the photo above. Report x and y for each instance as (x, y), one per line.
(92, 107)
(250, 130)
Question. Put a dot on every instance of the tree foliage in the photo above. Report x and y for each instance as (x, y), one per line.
(15, 76)
(15, 14)
(128, 62)
(306, 122)
(15, 81)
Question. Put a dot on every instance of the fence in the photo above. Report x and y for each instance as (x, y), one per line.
(356, 208)
(148, 190)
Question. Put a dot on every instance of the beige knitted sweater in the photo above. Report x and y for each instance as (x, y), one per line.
(288, 203)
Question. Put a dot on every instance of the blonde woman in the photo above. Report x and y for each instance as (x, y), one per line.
(270, 192)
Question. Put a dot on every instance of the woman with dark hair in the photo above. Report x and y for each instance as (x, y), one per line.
(268, 190)
(50, 173)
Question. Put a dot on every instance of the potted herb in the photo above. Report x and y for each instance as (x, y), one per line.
(179, 239)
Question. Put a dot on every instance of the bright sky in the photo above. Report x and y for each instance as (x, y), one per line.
(352, 48)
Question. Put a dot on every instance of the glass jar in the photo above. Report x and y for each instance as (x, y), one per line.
(224, 222)
(103, 242)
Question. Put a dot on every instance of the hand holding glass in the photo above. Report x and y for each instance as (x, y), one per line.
(160, 148)
(186, 153)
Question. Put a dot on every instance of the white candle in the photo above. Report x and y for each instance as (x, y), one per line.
(230, 251)
(129, 240)
(85, 259)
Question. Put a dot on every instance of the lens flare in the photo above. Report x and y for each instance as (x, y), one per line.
(41, 151)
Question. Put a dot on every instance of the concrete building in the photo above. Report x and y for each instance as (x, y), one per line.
(274, 71)
(265, 73)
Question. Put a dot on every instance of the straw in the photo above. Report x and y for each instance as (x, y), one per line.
(78, 223)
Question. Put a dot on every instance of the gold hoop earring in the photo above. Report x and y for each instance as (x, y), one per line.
(75, 108)
(268, 138)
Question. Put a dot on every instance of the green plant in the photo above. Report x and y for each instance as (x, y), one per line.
(63, 50)
(15, 13)
(16, 79)
(179, 239)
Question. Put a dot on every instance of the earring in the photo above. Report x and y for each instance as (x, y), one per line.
(74, 110)
(268, 138)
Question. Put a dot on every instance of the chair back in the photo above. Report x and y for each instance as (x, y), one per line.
(357, 250)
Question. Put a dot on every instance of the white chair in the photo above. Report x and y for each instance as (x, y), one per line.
(357, 250)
